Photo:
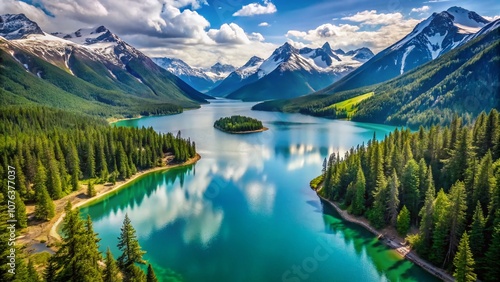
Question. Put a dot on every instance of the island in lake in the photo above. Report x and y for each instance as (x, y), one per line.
(239, 124)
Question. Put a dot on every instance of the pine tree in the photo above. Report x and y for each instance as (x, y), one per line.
(358, 205)
(458, 207)
(477, 242)
(426, 214)
(76, 258)
(92, 244)
(393, 199)
(485, 182)
(151, 276)
(493, 256)
(32, 274)
(410, 186)
(441, 228)
(44, 207)
(464, 262)
(90, 189)
(131, 250)
(403, 221)
(50, 272)
(111, 272)
(53, 179)
(20, 212)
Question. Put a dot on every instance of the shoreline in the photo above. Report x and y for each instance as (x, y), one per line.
(243, 132)
(404, 251)
(46, 232)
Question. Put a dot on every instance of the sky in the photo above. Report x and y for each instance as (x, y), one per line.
(203, 32)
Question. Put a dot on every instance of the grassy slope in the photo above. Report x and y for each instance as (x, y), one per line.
(351, 105)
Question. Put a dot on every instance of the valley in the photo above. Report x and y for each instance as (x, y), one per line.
(206, 141)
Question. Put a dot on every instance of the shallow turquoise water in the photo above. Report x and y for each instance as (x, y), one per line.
(245, 211)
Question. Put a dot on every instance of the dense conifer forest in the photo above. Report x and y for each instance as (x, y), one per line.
(53, 152)
(443, 182)
(238, 124)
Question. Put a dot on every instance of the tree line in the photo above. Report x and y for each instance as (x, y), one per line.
(238, 123)
(53, 151)
(78, 257)
(444, 182)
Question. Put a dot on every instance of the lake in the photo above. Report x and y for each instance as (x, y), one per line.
(245, 211)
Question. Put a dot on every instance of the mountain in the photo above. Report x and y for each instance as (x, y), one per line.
(238, 78)
(93, 68)
(463, 81)
(431, 38)
(219, 71)
(16, 26)
(195, 77)
(290, 72)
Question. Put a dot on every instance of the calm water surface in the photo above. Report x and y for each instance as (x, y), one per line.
(245, 211)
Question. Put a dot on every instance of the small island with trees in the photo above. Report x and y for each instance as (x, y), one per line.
(239, 125)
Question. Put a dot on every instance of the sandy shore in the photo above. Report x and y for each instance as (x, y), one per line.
(41, 236)
(390, 238)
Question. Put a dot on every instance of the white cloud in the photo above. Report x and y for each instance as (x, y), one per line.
(157, 27)
(492, 18)
(264, 24)
(386, 29)
(374, 18)
(229, 33)
(421, 9)
(253, 9)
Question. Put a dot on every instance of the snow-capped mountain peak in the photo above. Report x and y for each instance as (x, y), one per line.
(89, 36)
(17, 26)
(250, 67)
(466, 18)
(219, 68)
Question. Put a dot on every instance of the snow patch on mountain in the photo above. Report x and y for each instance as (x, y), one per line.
(403, 60)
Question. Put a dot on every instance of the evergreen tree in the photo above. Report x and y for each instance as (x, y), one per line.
(393, 199)
(464, 262)
(485, 182)
(403, 221)
(50, 272)
(358, 205)
(427, 215)
(111, 272)
(151, 276)
(32, 274)
(458, 207)
(44, 206)
(477, 242)
(493, 256)
(410, 184)
(131, 250)
(92, 242)
(441, 228)
(90, 189)
(20, 212)
(76, 258)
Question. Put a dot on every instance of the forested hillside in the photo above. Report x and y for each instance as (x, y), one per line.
(464, 81)
(53, 151)
(444, 181)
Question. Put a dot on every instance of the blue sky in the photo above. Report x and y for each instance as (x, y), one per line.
(202, 32)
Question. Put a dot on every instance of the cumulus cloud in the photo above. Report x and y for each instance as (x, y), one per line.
(374, 18)
(386, 29)
(421, 9)
(264, 24)
(253, 9)
(157, 27)
(229, 33)
(493, 18)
